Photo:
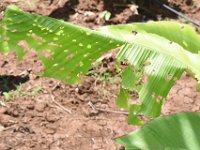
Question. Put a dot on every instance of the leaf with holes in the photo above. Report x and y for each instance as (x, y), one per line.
(182, 34)
(160, 61)
(66, 50)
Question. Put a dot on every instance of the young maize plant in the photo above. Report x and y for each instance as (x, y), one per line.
(157, 51)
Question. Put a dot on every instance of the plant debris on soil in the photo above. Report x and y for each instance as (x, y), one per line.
(46, 114)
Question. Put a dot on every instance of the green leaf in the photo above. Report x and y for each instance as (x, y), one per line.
(66, 50)
(175, 132)
(129, 78)
(182, 34)
(163, 68)
(133, 117)
(164, 53)
(166, 63)
(122, 99)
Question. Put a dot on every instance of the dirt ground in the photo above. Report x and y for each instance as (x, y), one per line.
(45, 114)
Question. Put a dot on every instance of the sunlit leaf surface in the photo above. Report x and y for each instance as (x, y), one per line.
(174, 132)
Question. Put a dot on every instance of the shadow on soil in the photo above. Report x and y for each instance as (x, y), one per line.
(149, 9)
(65, 11)
(10, 82)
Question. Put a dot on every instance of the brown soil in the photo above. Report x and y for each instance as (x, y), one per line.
(37, 115)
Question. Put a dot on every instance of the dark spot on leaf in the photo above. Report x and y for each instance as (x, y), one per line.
(134, 32)
(147, 63)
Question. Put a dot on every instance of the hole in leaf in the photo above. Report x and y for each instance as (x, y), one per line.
(24, 45)
(168, 77)
(70, 56)
(34, 36)
(47, 54)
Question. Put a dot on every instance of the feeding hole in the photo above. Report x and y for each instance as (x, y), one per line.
(70, 56)
(47, 54)
(168, 77)
(24, 45)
